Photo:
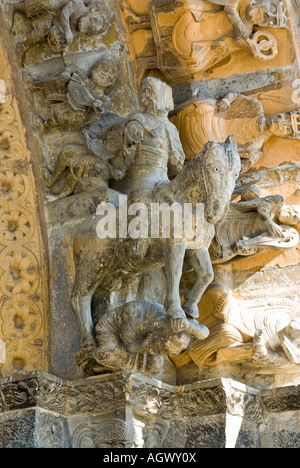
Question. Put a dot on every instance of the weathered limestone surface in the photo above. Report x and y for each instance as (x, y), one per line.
(149, 342)
(126, 410)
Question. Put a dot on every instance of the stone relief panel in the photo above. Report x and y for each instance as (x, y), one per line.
(191, 40)
(263, 331)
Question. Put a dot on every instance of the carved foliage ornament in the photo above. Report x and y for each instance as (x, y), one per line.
(22, 320)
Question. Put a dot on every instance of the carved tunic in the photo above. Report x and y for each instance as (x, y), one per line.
(155, 146)
(199, 122)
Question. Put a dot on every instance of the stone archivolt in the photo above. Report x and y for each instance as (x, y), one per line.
(23, 323)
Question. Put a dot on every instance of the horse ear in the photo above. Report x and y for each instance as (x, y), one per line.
(207, 146)
(231, 140)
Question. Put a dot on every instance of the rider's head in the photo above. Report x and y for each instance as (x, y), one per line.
(156, 96)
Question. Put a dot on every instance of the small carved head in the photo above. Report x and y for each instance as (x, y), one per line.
(268, 14)
(221, 168)
(93, 23)
(290, 215)
(281, 125)
(104, 73)
(156, 95)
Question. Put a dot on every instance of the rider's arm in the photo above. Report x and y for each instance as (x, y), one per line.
(133, 137)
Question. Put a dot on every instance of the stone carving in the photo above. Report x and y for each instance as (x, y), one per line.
(264, 331)
(105, 434)
(75, 98)
(203, 120)
(209, 178)
(286, 352)
(60, 21)
(86, 92)
(137, 335)
(76, 171)
(254, 225)
(134, 433)
(191, 37)
(52, 109)
(151, 143)
(23, 284)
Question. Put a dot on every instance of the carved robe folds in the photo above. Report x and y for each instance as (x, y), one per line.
(201, 120)
(187, 36)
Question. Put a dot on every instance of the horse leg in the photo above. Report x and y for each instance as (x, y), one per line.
(81, 303)
(89, 274)
(132, 283)
(174, 259)
(201, 263)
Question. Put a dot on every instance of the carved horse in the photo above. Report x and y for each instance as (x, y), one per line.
(209, 178)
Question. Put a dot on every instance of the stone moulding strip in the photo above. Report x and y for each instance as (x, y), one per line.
(107, 393)
(281, 400)
(104, 394)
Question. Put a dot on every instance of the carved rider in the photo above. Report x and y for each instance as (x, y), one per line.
(151, 141)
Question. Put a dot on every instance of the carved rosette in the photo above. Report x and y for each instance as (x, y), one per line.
(22, 277)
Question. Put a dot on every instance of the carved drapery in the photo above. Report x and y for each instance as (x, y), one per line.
(23, 264)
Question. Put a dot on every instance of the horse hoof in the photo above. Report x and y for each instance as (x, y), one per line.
(191, 310)
(176, 312)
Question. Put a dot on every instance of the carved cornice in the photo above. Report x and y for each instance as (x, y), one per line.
(281, 400)
(149, 397)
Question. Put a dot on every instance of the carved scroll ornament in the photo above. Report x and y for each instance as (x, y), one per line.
(22, 279)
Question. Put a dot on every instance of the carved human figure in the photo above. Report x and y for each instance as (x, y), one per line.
(151, 141)
(152, 148)
(255, 224)
(235, 114)
(84, 91)
(265, 331)
(86, 17)
(193, 36)
(264, 13)
(137, 335)
(77, 170)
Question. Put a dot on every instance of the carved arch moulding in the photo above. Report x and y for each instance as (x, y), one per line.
(24, 299)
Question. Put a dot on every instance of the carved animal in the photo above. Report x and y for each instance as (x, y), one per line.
(209, 178)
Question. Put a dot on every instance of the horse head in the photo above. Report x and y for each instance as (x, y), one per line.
(221, 166)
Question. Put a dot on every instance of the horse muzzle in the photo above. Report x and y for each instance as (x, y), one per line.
(214, 212)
